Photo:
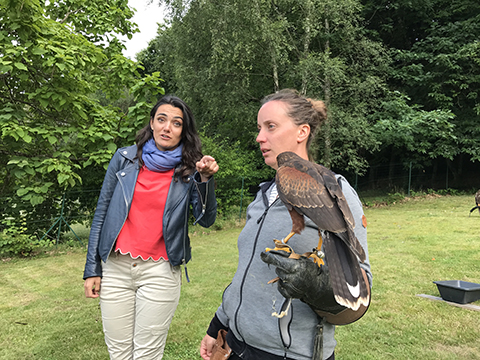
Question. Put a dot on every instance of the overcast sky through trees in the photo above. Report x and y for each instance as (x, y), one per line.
(146, 17)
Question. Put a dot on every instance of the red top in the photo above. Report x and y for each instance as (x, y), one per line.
(142, 233)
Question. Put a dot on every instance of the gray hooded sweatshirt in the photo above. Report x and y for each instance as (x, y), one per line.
(248, 302)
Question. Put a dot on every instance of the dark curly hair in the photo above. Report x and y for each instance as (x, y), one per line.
(192, 147)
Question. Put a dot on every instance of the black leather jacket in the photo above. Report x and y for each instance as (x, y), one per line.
(114, 204)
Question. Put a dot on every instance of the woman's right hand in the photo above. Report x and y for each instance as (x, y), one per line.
(92, 286)
(206, 347)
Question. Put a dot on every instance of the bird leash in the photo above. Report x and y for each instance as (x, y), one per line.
(318, 341)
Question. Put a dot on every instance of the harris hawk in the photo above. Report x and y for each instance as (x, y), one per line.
(312, 190)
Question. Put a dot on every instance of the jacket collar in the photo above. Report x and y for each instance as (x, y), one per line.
(264, 187)
(129, 152)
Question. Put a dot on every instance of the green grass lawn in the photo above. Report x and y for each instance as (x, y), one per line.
(44, 314)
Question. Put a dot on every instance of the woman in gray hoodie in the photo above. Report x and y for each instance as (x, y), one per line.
(287, 121)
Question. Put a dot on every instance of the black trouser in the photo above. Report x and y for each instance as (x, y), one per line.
(251, 353)
(236, 357)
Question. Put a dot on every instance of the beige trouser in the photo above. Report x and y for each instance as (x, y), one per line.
(138, 299)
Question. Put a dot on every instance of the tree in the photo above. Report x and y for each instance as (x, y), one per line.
(348, 70)
(230, 54)
(159, 56)
(411, 134)
(434, 44)
(57, 60)
(418, 59)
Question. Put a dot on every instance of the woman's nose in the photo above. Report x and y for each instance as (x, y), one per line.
(260, 138)
(167, 125)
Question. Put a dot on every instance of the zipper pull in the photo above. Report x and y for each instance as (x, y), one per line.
(262, 217)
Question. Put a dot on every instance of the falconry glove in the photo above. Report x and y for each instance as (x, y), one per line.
(301, 278)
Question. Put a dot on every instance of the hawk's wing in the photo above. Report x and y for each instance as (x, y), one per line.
(309, 197)
(336, 193)
(313, 191)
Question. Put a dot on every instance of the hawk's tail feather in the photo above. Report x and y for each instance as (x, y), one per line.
(348, 283)
(356, 246)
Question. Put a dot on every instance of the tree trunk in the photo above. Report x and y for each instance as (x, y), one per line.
(371, 177)
(327, 124)
(434, 173)
(453, 170)
(306, 45)
(391, 169)
(276, 86)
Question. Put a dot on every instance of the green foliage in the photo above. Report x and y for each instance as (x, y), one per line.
(245, 50)
(16, 244)
(61, 71)
(14, 240)
(400, 79)
(239, 171)
(435, 48)
(401, 127)
(160, 56)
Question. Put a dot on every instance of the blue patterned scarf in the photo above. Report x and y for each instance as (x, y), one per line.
(157, 160)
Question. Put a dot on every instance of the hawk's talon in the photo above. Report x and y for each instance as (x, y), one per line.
(278, 249)
(317, 260)
(317, 256)
(280, 246)
(273, 280)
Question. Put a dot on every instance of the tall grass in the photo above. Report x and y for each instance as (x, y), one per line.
(44, 314)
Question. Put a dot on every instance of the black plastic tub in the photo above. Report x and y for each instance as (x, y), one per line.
(461, 292)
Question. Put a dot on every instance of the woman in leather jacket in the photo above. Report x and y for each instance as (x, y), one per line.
(139, 234)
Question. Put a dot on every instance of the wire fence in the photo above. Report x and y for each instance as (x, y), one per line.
(60, 211)
(407, 178)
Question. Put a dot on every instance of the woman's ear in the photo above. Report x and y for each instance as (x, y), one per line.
(303, 133)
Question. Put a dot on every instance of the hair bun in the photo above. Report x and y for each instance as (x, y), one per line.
(319, 107)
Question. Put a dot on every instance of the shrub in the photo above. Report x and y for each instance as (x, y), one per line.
(14, 241)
